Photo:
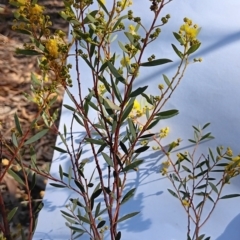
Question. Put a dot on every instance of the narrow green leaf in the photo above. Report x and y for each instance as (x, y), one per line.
(118, 236)
(33, 181)
(80, 186)
(167, 81)
(111, 104)
(11, 214)
(201, 237)
(142, 149)
(98, 208)
(214, 188)
(205, 136)
(107, 159)
(119, 21)
(138, 91)
(123, 147)
(77, 230)
(57, 185)
(206, 125)
(36, 137)
(83, 219)
(127, 109)
(230, 196)
(186, 169)
(14, 139)
(128, 195)
(147, 98)
(115, 72)
(60, 172)
(167, 114)
(147, 135)
(103, 7)
(122, 47)
(193, 48)
(69, 107)
(173, 193)
(127, 216)
(192, 141)
(59, 149)
(132, 165)
(101, 224)
(153, 123)
(27, 52)
(116, 91)
(15, 176)
(178, 38)
(102, 147)
(94, 141)
(179, 53)
(67, 214)
(18, 125)
(155, 62)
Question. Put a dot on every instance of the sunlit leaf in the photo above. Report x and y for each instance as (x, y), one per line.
(36, 137)
(128, 195)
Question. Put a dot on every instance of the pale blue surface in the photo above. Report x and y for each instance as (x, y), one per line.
(208, 93)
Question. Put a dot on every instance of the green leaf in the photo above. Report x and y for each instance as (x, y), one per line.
(206, 125)
(123, 147)
(118, 21)
(138, 91)
(122, 47)
(80, 186)
(67, 214)
(155, 62)
(115, 72)
(127, 109)
(193, 48)
(116, 90)
(15, 176)
(83, 219)
(33, 182)
(208, 135)
(142, 149)
(186, 169)
(101, 224)
(14, 139)
(118, 236)
(11, 214)
(77, 230)
(230, 196)
(147, 135)
(167, 114)
(201, 237)
(78, 120)
(167, 81)
(57, 185)
(59, 149)
(211, 154)
(107, 159)
(128, 195)
(153, 123)
(179, 53)
(36, 137)
(94, 141)
(102, 147)
(127, 216)
(60, 172)
(132, 165)
(178, 38)
(98, 208)
(27, 52)
(173, 193)
(103, 7)
(18, 125)
(111, 104)
(214, 188)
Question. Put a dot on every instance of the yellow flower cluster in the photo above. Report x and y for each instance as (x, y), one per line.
(125, 61)
(132, 29)
(188, 31)
(52, 46)
(138, 110)
(101, 89)
(165, 166)
(124, 3)
(185, 203)
(164, 132)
